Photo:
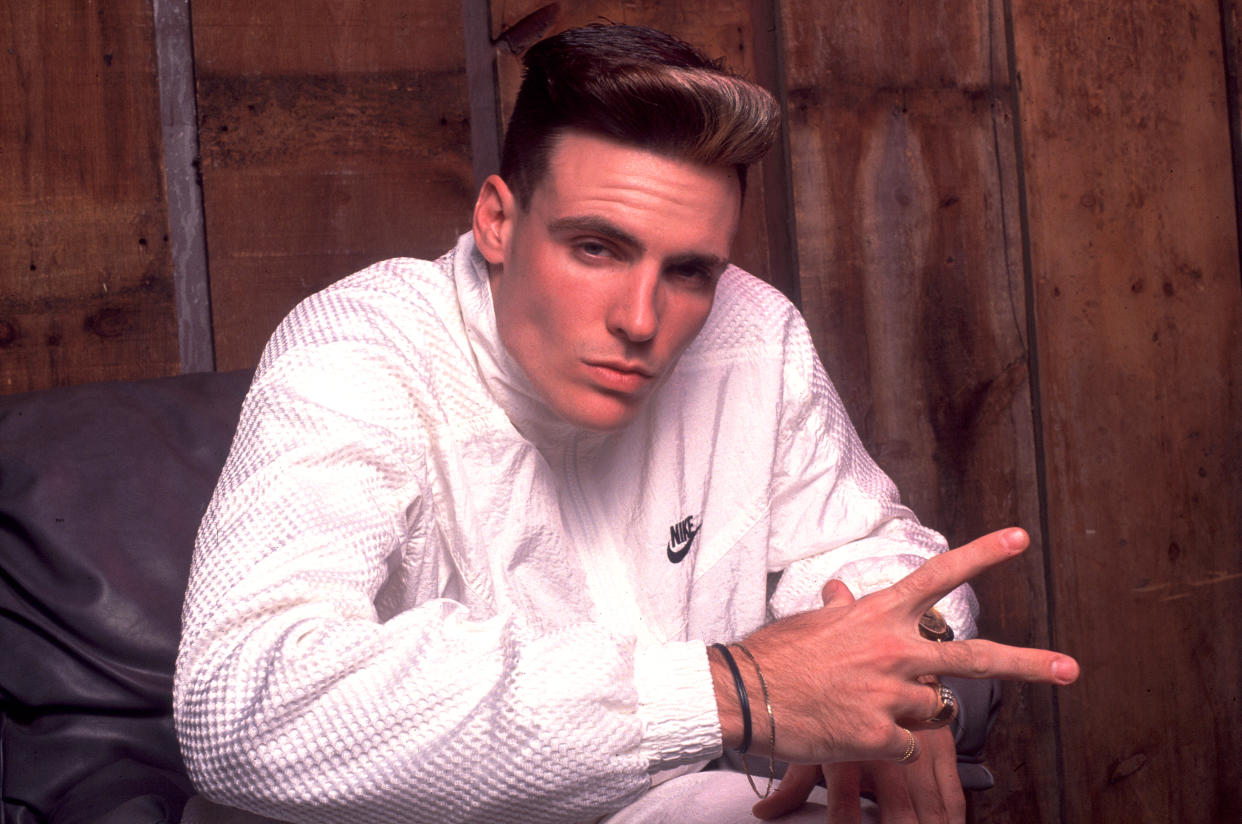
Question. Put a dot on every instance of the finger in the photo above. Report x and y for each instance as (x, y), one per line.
(986, 659)
(837, 594)
(929, 695)
(892, 793)
(792, 793)
(906, 748)
(952, 799)
(843, 782)
(943, 573)
(929, 793)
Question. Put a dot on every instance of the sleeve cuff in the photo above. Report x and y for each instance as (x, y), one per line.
(677, 705)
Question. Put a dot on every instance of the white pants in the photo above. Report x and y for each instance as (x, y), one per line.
(712, 797)
(719, 797)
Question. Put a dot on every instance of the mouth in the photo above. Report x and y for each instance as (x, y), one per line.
(621, 376)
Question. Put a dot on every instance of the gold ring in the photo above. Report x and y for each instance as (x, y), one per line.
(948, 706)
(933, 627)
(911, 748)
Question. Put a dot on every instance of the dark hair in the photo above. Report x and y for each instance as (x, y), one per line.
(637, 86)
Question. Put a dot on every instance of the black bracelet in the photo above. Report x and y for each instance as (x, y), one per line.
(742, 699)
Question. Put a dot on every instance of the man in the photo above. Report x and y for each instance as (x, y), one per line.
(484, 515)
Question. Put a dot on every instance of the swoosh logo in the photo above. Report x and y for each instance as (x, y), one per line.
(681, 538)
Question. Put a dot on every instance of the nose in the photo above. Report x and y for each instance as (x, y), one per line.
(635, 312)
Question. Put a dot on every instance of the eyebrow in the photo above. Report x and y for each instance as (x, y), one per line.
(598, 226)
(606, 228)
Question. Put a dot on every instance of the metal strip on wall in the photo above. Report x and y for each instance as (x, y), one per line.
(186, 221)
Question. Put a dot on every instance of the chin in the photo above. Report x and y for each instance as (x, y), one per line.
(601, 414)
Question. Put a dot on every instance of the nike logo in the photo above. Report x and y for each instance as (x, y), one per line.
(680, 538)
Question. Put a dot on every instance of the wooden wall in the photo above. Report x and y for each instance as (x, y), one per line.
(332, 134)
(1012, 227)
(86, 279)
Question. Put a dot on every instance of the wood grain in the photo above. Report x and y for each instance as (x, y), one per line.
(333, 135)
(1135, 266)
(85, 267)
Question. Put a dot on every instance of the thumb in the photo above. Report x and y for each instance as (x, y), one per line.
(837, 594)
(792, 793)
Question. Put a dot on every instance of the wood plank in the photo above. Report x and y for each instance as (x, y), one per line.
(904, 179)
(720, 29)
(329, 141)
(1136, 281)
(85, 267)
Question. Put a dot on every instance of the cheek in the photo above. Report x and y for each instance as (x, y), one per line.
(549, 320)
(687, 320)
(523, 298)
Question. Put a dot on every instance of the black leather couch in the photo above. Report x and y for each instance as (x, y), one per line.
(102, 487)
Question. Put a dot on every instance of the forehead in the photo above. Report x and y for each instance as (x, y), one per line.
(664, 198)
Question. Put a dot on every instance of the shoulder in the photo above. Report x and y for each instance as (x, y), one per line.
(388, 289)
(751, 319)
(375, 341)
(394, 304)
(756, 335)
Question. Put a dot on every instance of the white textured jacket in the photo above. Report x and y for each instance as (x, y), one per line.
(417, 596)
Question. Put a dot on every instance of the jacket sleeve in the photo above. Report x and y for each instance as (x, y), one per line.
(295, 698)
(835, 513)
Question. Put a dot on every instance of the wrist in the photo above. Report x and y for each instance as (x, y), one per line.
(724, 655)
(728, 706)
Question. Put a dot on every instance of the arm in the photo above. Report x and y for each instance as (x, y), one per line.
(296, 697)
(842, 678)
(834, 492)
(852, 714)
(836, 515)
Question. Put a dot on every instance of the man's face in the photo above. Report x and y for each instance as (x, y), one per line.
(601, 284)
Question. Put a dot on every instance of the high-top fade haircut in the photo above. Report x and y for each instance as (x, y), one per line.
(639, 87)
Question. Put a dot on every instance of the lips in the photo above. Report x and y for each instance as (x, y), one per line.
(620, 376)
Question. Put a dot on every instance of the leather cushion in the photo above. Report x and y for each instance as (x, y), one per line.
(102, 487)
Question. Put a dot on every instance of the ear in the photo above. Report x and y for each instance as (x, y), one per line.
(494, 214)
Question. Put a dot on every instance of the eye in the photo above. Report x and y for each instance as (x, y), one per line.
(593, 249)
(693, 271)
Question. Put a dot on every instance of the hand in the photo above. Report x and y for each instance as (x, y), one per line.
(842, 679)
(926, 791)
